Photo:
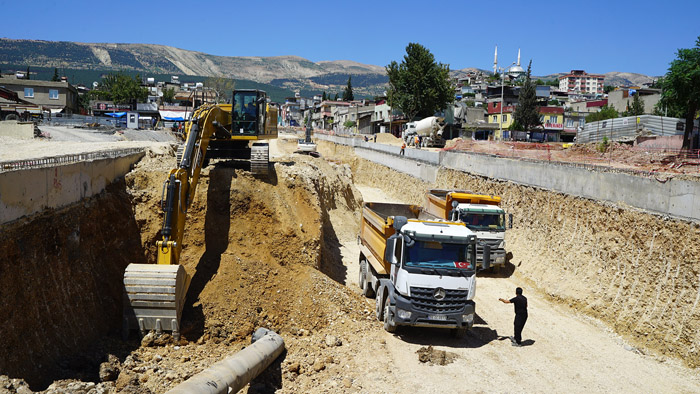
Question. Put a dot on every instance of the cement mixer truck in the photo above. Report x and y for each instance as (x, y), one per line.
(420, 269)
(429, 129)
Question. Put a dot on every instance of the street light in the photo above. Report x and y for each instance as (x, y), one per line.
(503, 76)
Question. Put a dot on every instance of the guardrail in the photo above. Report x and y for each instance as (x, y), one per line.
(65, 159)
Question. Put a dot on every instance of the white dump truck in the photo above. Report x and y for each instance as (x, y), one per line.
(420, 269)
(481, 213)
(429, 129)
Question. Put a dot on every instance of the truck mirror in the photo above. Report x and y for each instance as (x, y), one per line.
(510, 220)
(389, 251)
(399, 222)
(486, 257)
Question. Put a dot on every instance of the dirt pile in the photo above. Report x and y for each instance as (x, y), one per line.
(388, 139)
(434, 356)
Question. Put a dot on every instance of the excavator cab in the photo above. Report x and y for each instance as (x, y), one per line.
(248, 112)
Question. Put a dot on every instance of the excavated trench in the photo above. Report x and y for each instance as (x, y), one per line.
(266, 252)
(258, 250)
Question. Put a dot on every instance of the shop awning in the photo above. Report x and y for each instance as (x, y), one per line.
(175, 115)
(116, 114)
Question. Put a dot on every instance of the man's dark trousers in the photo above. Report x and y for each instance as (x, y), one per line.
(518, 325)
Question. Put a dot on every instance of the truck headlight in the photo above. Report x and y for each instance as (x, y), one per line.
(403, 314)
(469, 319)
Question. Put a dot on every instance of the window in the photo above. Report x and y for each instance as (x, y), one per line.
(53, 94)
(569, 123)
(504, 118)
(495, 119)
(29, 92)
(553, 119)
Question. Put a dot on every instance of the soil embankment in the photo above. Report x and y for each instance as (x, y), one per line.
(61, 285)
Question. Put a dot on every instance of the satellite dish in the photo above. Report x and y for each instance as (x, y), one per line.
(94, 84)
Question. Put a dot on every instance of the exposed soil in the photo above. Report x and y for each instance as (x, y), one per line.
(612, 291)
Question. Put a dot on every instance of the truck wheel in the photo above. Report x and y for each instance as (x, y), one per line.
(379, 306)
(367, 289)
(389, 324)
(459, 332)
(12, 117)
(361, 279)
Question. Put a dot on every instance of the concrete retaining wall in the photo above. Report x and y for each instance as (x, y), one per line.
(18, 130)
(674, 197)
(27, 192)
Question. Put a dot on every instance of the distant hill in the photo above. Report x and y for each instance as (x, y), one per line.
(281, 75)
(289, 72)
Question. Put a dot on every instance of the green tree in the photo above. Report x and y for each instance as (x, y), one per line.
(336, 97)
(526, 113)
(637, 107)
(604, 113)
(419, 86)
(28, 72)
(55, 77)
(347, 94)
(324, 97)
(168, 95)
(608, 88)
(222, 86)
(121, 88)
(681, 88)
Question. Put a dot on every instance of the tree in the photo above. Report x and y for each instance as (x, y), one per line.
(347, 94)
(419, 86)
(526, 113)
(28, 73)
(222, 86)
(324, 97)
(637, 107)
(681, 87)
(604, 113)
(168, 95)
(336, 97)
(608, 88)
(121, 88)
(55, 77)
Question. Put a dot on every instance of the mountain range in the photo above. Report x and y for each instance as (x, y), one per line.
(290, 73)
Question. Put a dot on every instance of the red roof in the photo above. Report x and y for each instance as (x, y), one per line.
(597, 103)
(551, 110)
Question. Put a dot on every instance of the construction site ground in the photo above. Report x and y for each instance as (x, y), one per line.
(282, 252)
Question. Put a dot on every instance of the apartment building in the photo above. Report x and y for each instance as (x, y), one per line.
(581, 81)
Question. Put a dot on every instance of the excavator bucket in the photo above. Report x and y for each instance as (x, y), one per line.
(155, 295)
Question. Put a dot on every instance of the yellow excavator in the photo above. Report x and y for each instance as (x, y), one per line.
(155, 293)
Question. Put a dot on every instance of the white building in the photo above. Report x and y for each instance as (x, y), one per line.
(582, 82)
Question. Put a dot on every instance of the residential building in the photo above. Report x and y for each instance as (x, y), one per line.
(573, 123)
(621, 98)
(58, 97)
(504, 119)
(588, 106)
(581, 81)
(552, 119)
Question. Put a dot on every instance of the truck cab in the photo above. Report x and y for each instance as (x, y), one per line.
(489, 224)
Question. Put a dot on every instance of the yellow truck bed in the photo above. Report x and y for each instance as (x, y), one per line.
(438, 202)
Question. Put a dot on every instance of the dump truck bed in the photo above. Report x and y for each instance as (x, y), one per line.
(438, 202)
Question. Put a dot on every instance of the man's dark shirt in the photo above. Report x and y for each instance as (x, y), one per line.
(520, 303)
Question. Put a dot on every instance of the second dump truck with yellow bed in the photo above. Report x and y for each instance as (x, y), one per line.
(420, 269)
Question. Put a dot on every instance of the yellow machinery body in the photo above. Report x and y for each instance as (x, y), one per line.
(155, 293)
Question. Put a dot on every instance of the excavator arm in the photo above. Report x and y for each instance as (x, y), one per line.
(155, 293)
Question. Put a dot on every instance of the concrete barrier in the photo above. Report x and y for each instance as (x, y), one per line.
(26, 192)
(673, 197)
(18, 130)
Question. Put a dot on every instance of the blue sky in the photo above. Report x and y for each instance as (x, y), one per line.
(599, 36)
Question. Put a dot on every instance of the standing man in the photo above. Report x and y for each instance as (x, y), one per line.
(403, 148)
(520, 303)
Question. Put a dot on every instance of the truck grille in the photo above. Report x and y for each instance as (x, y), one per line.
(423, 300)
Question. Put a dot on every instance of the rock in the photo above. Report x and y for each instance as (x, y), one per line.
(319, 365)
(347, 383)
(185, 359)
(171, 376)
(157, 358)
(293, 367)
(332, 340)
(148, 340)
(108, 372)
(126, 379)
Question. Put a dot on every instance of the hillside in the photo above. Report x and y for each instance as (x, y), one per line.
(282, 73)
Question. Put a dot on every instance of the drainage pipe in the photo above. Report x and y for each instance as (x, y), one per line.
(236, 371)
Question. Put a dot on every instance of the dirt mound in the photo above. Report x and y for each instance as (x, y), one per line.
(435, 357)
(389, 139)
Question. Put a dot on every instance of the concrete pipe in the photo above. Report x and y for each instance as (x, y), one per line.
(236, 371)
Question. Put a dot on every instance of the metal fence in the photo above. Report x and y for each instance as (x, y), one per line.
(79, 120)
(65, 159)
(629, 128)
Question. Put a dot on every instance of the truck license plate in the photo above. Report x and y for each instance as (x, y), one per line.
(437, 317)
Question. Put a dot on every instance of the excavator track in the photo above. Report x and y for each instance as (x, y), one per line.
(260, 158)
